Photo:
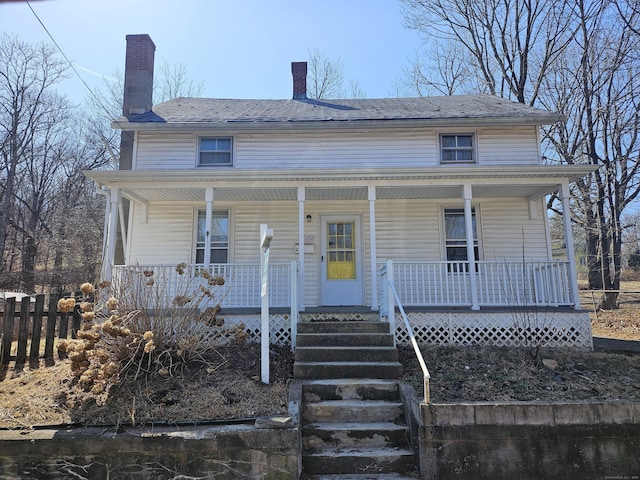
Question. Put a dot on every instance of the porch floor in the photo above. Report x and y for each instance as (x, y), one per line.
(420, 309)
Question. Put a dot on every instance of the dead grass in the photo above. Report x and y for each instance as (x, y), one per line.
(622, 323)
(480, 374)
(40, 395)
(49, 395)
(470, 374)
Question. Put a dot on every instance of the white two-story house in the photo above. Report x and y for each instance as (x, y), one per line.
(450, 190)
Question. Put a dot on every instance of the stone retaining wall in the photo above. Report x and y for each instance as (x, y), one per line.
(220, 452)
(526, 440)
(521, 440)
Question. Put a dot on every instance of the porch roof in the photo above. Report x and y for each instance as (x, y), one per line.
(532, 182)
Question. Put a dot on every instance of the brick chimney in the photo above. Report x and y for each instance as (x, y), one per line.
(299, 71)
(138, 88)
(138, 75)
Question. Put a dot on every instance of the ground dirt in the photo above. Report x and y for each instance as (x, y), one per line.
(41, 395)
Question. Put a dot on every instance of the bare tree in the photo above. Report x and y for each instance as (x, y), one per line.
(578, 58)
(441, 70)
(174, 81)
(511, 44)
(28, 74)
(597, 87)
(105, 105)
(326, 77)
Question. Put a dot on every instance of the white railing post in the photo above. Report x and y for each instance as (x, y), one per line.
(383, 291)
(391, 307)
(294, 302)
(266, 235)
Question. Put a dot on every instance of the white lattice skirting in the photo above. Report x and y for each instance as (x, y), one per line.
(503, 329)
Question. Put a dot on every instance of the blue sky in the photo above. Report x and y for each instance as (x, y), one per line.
(238, 48)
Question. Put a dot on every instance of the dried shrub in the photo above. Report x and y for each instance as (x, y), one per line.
(149, 322)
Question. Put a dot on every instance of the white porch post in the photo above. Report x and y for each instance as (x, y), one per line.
(208, 226)
(471, 255)
(111, 239)
(123, 227)
(372, 242)
(568, 238)
(301, 199)
(105, 230)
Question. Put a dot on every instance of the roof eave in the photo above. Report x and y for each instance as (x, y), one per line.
(571, 173)
(124, 124)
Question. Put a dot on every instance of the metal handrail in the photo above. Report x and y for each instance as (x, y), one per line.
(414, 343)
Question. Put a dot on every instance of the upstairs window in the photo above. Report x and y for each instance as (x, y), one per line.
(215, 151)
(457, 148)
(219, 236)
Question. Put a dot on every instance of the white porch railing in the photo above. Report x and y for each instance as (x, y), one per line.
(439, 284)
(241, 287)
(503, 284)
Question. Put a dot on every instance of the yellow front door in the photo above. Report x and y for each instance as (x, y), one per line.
(341, 258)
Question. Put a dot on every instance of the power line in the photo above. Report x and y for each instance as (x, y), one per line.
(95, 97)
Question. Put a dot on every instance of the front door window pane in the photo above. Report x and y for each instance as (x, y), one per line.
(341, 259)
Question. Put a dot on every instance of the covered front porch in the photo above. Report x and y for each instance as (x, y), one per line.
(434, 223)
(500, 248)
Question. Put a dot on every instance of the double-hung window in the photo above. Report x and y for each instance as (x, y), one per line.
(215, 151)
(219, 236)
(456, 237)
(457, 148)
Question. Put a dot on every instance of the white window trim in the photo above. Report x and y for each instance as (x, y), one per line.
(443, 240)
(474, 148)
(220, 165)
(194, 239)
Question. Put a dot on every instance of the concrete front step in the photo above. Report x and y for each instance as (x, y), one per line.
(317, 436)
(350, 389)
(359, 461)
(346, 354)
(343, 327)
(347, 369)
(360, 411)
(341, 339)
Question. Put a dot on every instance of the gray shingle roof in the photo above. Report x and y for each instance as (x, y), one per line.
(459, 109)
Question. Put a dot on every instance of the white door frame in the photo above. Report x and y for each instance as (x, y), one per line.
(342, 292)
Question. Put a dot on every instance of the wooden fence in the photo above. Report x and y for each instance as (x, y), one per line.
(34, 323)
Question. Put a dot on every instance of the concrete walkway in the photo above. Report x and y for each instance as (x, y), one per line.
(613, 345)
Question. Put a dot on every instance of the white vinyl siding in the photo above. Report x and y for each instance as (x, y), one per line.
(366, 149)
(508, 146)
(166, 237)
(509, 234)
(166, 151)
(331, 150)
(407, 230)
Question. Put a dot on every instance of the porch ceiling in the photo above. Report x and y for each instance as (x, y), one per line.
(532, 182)
(328, 193)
